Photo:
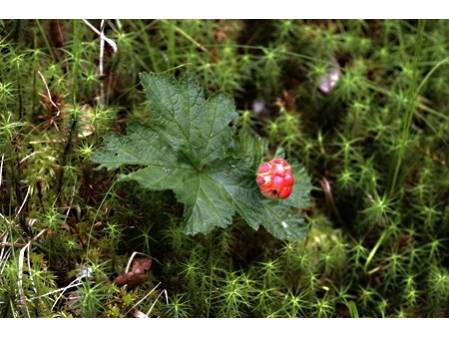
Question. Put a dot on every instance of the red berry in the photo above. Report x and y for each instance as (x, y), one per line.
(275, 179)
(285, 192)
(280, 161)
(278, 169)
(278, 182)
(260, 180)
(264, 167)
(288, 179)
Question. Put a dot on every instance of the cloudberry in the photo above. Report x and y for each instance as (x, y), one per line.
(275, 178)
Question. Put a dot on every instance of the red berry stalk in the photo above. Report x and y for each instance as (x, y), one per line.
(275, 179)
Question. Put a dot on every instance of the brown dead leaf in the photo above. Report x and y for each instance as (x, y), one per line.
(137, 275)
(286, 102)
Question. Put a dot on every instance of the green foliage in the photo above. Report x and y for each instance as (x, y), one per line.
(190, 149)
(375, 147)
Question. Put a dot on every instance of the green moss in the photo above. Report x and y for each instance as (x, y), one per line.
(375, 147)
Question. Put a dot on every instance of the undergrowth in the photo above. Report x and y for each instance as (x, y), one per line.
(375, 146)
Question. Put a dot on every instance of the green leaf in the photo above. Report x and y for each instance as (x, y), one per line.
(192, 150)
(250, 148)
(206, 204)
(188, 122)
(141, 146)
